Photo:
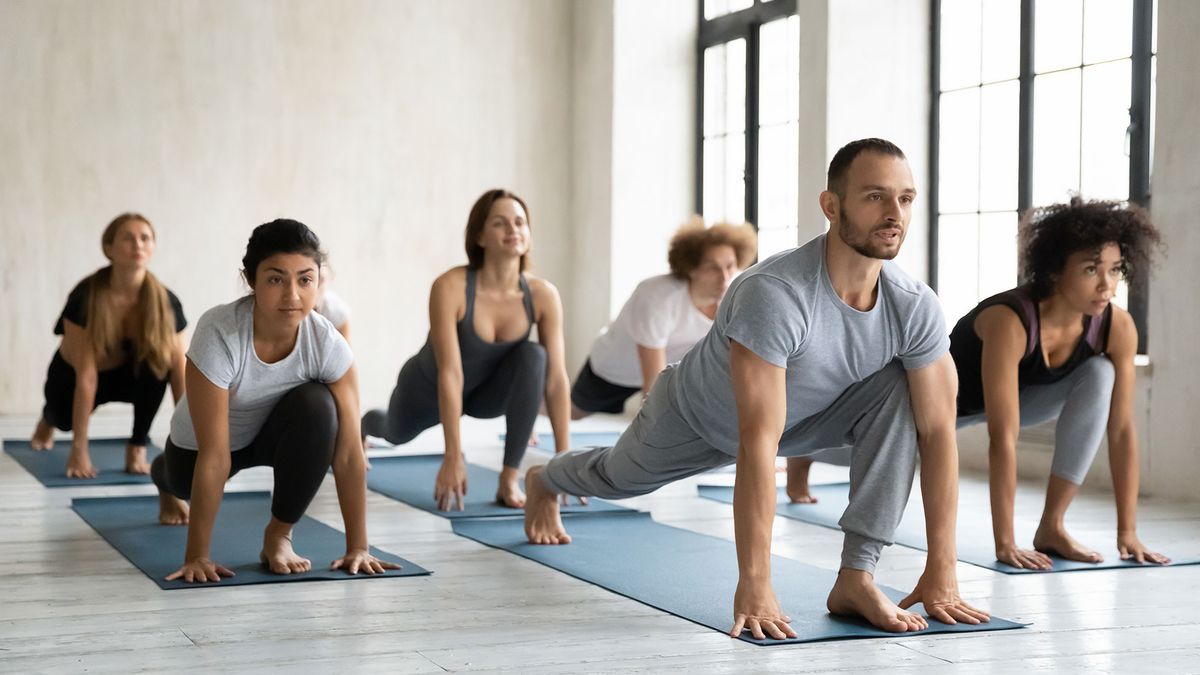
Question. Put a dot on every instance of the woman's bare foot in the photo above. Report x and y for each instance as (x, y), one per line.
(543, 524)
(135, 459)
(508, 491)
(277, 554)
(172, 510)
(855, 594)
(1056, 541)
(797, 481)
(43, 436)
(79, 464)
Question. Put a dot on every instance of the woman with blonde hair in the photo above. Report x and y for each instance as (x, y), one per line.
(664, 317)
(122, 340)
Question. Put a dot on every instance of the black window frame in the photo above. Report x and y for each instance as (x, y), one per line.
(744, 23)
(1139, 136)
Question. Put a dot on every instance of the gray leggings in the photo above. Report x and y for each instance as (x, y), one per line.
(1081, 402)
(873, 417)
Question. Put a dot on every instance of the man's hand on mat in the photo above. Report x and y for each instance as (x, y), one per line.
(756, 609)
(361, 560)
(1133, 549)
(1023, 558)
(939, 593)
(451, 485)
(200, 571)
(79, 463)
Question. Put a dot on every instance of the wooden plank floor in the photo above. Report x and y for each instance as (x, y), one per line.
(70, 603)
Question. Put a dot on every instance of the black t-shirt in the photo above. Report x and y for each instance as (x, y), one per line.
(75, 310)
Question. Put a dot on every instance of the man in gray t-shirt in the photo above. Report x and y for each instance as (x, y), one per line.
(826, 346)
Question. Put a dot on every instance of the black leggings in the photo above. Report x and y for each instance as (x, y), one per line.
(123, 383)
(297, 440)
(514, 389)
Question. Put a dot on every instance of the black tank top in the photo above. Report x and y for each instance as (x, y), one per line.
(967, 348)
(479, 357)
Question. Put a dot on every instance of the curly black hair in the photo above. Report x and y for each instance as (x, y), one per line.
(1050, 234)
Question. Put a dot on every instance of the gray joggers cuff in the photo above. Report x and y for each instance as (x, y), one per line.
(861, 553)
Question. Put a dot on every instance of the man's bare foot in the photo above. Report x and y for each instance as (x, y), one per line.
(543, 524)
(855, 594)
(172, 510)
(135, 459)
(277, 554)
(1056, 541)
(508, 491)
(43, 436)
(79, 465)
(797, 481)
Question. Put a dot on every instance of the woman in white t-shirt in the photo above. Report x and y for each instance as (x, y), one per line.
(664, 317)
(269, 383)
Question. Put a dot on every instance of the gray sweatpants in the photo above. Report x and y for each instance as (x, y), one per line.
(873, 417)
(1081, 403)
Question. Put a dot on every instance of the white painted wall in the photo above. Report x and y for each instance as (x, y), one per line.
(377, 123)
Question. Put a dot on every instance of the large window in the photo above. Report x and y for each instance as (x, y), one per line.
(748, 122)
(1035, 100)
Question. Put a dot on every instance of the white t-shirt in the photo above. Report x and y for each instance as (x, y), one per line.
(334, 308)
(223, 349)
(659, 315)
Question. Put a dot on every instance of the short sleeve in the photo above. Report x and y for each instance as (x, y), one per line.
(177, 308)
(335, 354)
(75, 310)
(763, 315)
(334, 308)
(925, 338)
(210, 350)
(652, 315)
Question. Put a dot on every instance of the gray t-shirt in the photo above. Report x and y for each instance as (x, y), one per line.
(222, 349)
(784, 309)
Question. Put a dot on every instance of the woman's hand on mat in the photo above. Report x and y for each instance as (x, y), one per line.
(756, 609)
(451, 485)
(200, 570)
(1023, 558)
(361, 560)
(79, 462)
(939, 593)
(1131, 548)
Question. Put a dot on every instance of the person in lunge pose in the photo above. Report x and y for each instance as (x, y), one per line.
(1057, 347)
(664, 317)
(478, 359)
(122, 340)
(270, 383)
(823, 346)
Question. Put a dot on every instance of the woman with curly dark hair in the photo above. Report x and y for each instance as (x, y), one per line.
(1056, 347)
(664, 317)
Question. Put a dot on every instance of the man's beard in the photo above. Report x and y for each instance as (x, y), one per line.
(868, 247)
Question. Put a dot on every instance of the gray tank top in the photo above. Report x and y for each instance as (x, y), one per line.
(479, 357)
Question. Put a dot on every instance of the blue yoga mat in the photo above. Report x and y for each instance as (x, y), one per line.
(974, 540)
(579, 439)
(688, 574)
(130, 525)
(410, 480)
(50, 466)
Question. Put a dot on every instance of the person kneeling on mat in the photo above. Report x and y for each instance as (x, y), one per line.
(1057, 347)
(270, 383)
(478, 359)
(827, 345)
(664, 317)
(122, 341)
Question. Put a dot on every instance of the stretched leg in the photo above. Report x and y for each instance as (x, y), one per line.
(297, 440)
(59, 393)
(515, 389)
(413, 408)
(1082, 403)
(145, 392)
(875, 418)
(172, 473)
(657, 449)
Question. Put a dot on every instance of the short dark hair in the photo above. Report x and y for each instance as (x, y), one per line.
(280, 236)
(835, 180)
(478, 218)
(1051, 234)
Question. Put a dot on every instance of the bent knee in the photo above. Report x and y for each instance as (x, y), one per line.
(314, 400)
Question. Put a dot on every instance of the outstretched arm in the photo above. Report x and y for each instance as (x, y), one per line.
(759, 389)
(558, 383)
(933, 390)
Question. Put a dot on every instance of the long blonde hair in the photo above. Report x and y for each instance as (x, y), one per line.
(155, 337)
